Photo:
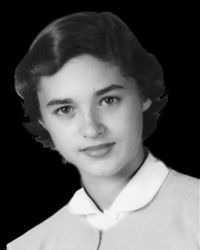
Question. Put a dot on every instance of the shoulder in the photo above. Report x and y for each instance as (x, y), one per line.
(181, 189)
(181, 182)
(45, 232)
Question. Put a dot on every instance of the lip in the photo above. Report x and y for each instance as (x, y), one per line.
(98, 147)
(98, 151)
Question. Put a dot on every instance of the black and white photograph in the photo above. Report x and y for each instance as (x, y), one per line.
(101, 148)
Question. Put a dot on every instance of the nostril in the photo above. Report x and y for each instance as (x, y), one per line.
(92, 124)
(93, 130)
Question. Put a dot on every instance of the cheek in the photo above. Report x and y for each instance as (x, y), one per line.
(65, 142)
(127, 122)
(131, 135)
(59, 132)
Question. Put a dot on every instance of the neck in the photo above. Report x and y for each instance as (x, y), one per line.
(104, 190)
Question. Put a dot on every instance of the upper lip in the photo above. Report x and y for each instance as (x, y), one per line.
(96, 147)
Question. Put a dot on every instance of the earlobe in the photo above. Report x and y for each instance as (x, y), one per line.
(42, 123)
(146, 104)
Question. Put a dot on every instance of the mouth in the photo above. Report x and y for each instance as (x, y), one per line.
(98, 150)
(97, 147)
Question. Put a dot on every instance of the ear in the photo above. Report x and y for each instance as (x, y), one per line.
(146, 104)
(42, 123)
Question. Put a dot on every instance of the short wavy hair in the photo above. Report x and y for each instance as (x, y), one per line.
(102, 35)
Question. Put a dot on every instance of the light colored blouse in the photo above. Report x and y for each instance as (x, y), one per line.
(164, 215)
(141, 188)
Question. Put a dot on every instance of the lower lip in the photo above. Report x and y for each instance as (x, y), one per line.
(99, 152)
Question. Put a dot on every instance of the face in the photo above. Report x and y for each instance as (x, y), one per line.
(89, 103)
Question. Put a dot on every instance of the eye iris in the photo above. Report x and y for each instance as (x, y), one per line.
(109, 100)
(66, 109)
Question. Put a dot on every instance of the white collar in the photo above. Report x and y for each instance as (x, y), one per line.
(139, 191)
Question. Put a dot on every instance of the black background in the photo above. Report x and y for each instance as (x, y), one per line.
(34, 183)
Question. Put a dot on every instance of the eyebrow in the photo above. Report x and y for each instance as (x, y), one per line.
(98, 93)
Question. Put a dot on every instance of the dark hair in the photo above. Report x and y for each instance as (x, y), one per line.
(103, 35)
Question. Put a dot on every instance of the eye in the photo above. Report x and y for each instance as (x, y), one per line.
(64, 110)
(110, 100)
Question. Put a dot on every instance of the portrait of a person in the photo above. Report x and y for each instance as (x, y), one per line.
(93, 94)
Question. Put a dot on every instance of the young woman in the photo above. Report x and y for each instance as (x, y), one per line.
(93, 94)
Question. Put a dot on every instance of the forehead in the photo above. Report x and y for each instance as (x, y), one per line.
(82, 75)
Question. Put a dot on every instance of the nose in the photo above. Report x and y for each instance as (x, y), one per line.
(92, 126)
